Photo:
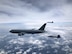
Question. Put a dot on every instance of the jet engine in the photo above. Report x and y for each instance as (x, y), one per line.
(20, 34)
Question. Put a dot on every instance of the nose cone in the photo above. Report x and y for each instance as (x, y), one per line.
(10, 31)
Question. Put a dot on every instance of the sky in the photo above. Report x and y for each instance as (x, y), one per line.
(17, 14)
(35, 11)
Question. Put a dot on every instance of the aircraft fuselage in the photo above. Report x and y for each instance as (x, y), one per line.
(27, 31)
(32, 31)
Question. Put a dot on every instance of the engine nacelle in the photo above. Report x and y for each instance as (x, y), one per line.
(20, 34)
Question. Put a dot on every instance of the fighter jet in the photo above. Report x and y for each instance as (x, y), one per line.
(58, 36)
(31, 31)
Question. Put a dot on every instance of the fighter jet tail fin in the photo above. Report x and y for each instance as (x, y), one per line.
(42, 27)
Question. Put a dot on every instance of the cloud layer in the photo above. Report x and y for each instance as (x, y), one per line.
(23, 11)
(37, 44)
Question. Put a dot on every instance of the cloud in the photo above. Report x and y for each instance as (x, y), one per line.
(3, 52)
(40, 4)
(29, 43)
(44, 5)
(69, 1)
(26, 11)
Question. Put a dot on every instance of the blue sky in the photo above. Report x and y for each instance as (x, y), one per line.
(35, 11)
